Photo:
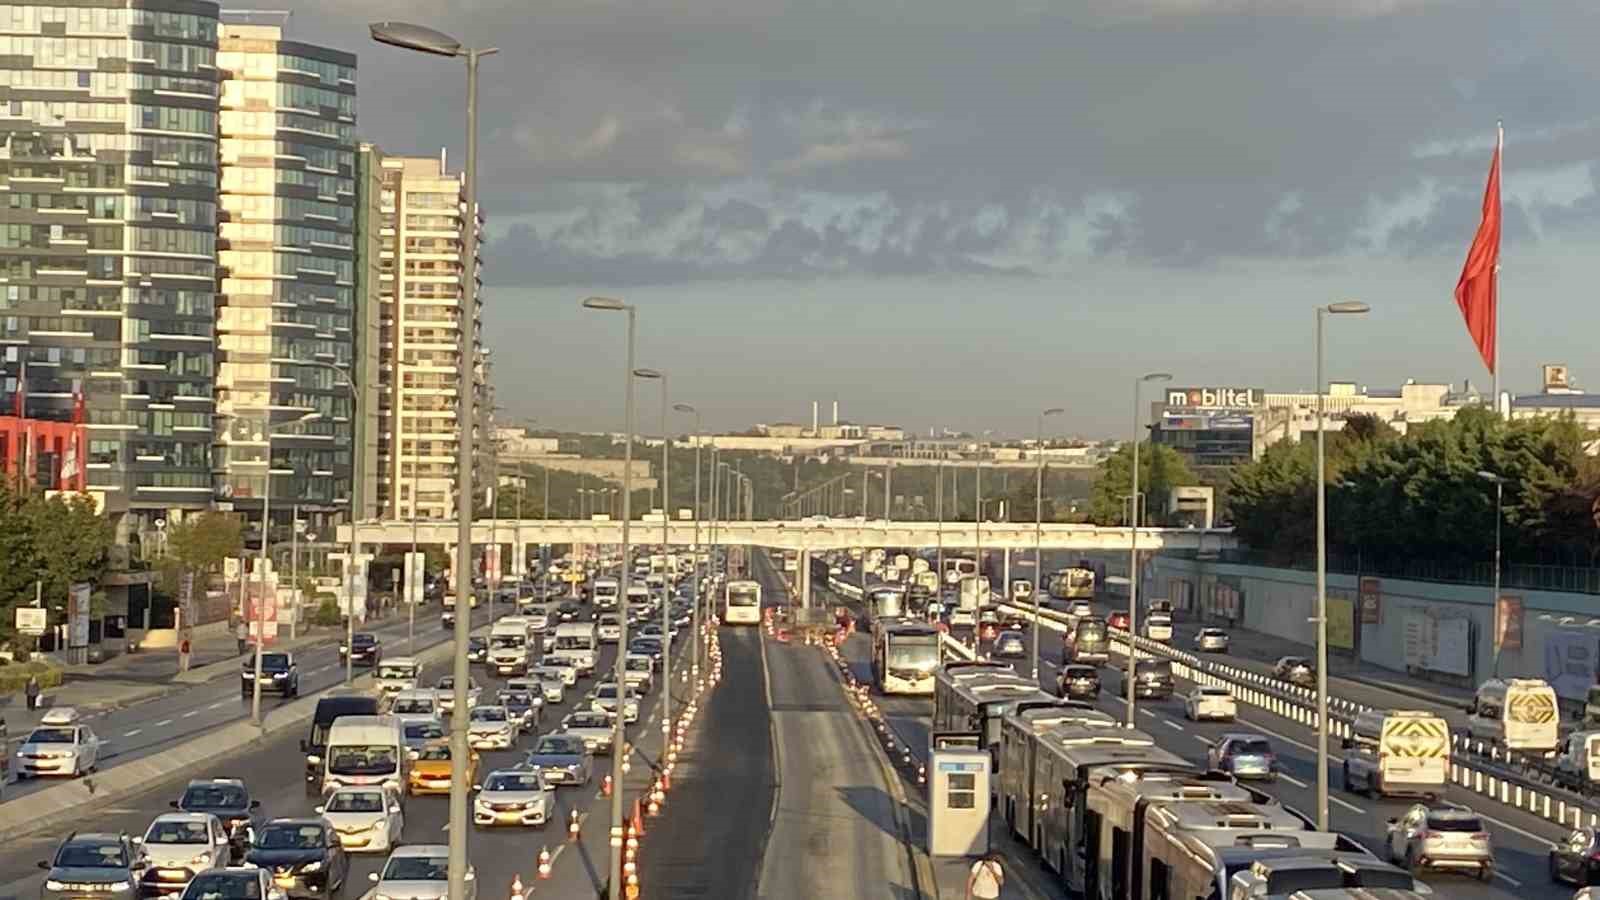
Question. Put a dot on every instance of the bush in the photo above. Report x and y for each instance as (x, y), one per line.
(14, 678)
(328, 613)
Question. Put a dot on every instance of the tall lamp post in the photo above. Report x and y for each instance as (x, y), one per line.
(426, 40)
(1342, 308)
(1133, 543)
(619, 739)
(1499, 482)
(666, 544)
(1038, 532)
(349, 384)
(694, 580)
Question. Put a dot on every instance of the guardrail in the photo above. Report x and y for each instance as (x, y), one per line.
(1485, 770)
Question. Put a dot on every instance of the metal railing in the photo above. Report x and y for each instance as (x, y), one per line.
(1523, 576)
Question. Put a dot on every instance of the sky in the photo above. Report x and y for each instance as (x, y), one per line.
(955, 214)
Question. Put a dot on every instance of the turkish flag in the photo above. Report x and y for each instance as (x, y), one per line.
(1475, 291)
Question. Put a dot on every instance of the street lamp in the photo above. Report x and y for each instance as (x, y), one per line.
(427, 40)
(1342, 308)
(619, 740)
(349, 384)
(666, 544)
(1499, 482)
(694, 581)
(1038, 531)
(1133, 541)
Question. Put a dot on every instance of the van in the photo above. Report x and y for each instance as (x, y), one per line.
(1591, 707)
(1397, 753)
(365, 750)
(1516, 713)
(1578, 766)
(1152, 678)
(1158, 627)
(508, 646)
(579, 643)
(606, 591)
(329, 709)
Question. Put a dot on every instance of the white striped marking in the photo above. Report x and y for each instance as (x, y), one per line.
(191, 713)
(163, 723)
(1171, 724)
(1350, 806)
(132, 733)
(1294, 781)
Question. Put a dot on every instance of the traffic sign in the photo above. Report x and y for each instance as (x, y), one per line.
(31, 620)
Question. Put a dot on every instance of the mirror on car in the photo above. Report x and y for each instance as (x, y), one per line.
(320, 810)
(372, 877)
(255, 804)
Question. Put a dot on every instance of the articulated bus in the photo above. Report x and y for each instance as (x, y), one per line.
(976, 699)
(742, 603)
(904, 657)
(1072, 583)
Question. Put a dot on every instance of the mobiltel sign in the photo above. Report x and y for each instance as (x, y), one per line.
(1216, 398)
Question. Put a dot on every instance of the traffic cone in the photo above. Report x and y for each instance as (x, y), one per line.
(544, 862)
(573, 826)
(517, 893)
(605, 787)
(638, 820)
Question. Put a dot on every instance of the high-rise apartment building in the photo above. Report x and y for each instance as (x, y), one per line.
(288, 314)
(421, 217)
(108, 187)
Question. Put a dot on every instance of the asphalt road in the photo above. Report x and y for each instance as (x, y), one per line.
(274, 771)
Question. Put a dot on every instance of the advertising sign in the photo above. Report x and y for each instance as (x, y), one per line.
(1438, 645)
(1508, 623)
(1371, 601)
(78, 615)
(1341, 622)
(1569, 662)
(1216, 397)
(261, 607)
(31, 620)
(1227, 601)
(491, 565)
(415, 572)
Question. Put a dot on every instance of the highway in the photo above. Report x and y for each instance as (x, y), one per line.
(1521, 840)
(274, 771)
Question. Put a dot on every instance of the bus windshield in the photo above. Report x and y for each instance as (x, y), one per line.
(918, 653)
(743, 596)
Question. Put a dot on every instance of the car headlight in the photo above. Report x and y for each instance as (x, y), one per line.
(381, 824)
(54, 885)
(381, 897)
(119, 886)
(313, 866)
(200, 860)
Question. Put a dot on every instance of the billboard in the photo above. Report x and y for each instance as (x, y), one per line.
(1508, 623)
(1438, 645)
(78, 614)
(1371, 601)
(1569, 662)
(415, 571)
(1216, 397)
(1341, 622)
(1172, 421)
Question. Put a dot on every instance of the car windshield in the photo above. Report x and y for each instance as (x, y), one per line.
(436, 752)
(552, 744)
(364, 640)
(224, 886)
(397, 671)
(423, 731)
(417, 868)
(215, 796)
(638, 664)
(274, 662)
(286, 836)
(83, 855)
(514, 699)
(513, 781)
(448, 683)
(414, 706)
(178, 833)
(589, 720)
(1214, 692)
(573, 642)
(489, 714)
(1081, 672)
(508, 641)
(355, 802)
(51, 736)
(606, 692)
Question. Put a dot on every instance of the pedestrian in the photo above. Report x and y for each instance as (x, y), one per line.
(242, 633)
(986, 878)
(33, 692)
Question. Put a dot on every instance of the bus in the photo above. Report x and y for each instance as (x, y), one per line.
(885, 601)
(904, 657)
(957, 568)
(968, 698)
(1072, 583)
(742, 603)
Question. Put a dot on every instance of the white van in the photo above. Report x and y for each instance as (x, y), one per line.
(1579, 762)
(1158, 627)
(1397, 753)
(606, 591)
(579, 643)
(1516, 713)
(365, 750)
(396, 674)
(508, 646)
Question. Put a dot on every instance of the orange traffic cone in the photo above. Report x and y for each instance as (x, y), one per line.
(573, 826)
(638, 820)
(605, 786)
(544, 862)
(517, 893)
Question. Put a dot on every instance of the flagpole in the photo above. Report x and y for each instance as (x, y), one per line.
(1494, 375)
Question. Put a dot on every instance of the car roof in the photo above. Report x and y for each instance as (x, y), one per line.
(183, 817)
(296, 821)
(212, 782)
(420, 850)
(62, 715)
(1451, 813)
(94, 837)
(400, 661)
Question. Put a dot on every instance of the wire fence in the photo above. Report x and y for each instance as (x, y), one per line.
(1523, 576)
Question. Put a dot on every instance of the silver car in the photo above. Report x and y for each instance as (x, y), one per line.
(561, 759)
(367, 818)
(1211, 640)
(605, 700)
(1442, 838)
(512, 797)
(419, 733)
(419, 872)
(445, 691)
(179, 846)
(543, 684)
(639, 670)
(562, 668)
(491, 728)
(415, 706)
(597, 729)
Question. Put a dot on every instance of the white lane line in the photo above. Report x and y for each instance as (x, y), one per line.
(1294, 781)
(132, 733)
(191, 714)
(1146, 712)
(1171, 724)
(218, 705)
(163, 723)
(1350, 806)
(1507, 879)
(1202, 739)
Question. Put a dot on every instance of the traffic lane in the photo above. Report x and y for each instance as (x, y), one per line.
(140, 730)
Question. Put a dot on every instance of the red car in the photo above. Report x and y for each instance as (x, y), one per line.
(1118, 620)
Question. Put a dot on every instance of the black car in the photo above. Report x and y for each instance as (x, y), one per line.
(229, 800)
(1078, 681)
(649, 646)
(568, 611)
(303, 855)
(477, 649)
(279, 675)
(368, 649)
(98, 865)
(1152, 678)
(1296, 670)
(1576, 858)
(232, 884)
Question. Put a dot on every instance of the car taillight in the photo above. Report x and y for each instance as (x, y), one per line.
(1425, 834)
(1481, 837)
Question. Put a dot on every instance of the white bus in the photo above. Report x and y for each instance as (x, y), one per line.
(742, 603)
(364, 750)
(1516, 713)
(904, 658)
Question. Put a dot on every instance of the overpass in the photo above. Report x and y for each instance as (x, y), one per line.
(812, 535)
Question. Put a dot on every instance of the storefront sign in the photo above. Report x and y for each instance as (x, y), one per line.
(1216, 398)
(1371, 601)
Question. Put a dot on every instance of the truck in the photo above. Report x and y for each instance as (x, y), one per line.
(508, 646)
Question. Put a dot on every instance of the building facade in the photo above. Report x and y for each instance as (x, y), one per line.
(108, 179)
(287, 310)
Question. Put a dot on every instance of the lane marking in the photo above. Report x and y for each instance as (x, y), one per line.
(1202, 739)
(1347, 805)
(163, 723)
(1507, 878)
(1506, 825)
(1171, 724)
(191, 714)
(132, 733)
(218, 705)
(1296, 782)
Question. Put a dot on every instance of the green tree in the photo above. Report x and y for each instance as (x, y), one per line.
(54, 542)
(198, 545)
(1161, 468)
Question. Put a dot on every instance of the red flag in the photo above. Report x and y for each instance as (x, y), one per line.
(1475, 292)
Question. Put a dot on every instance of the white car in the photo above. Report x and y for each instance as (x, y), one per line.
(639, 671)
(397, 674)
(608, 627)
(1213, 703)
(419, 872)
(563, 668)
(597, 729)
(181, 845)
(605, 700)
(512, 797)
(542, 684)
(367, 818)
(491, 728)
(61, 745)
(1211, 640)
(415, 706)
(444, 690)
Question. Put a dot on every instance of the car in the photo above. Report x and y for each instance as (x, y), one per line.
(608, 627)
(1211, 640)
(1243, 756)
(1441, 838)
(445, 690)
(1152, 678)
(279, 675)
(420, 705)
(524, 706)
(638, 669)
(512, 797)
(419, 872)
(546, 684)
(1080, 609)
(304, 855)
(568, 611)
(229, 800)
(396, 674)
(1576, 858)
(651, 630)
(61, 745)
(1118, 619)
(1078, 681)
(430, 769)
(95, 865)
(1210, 702)
(604, 699)
(563, 668)
(537, 614)
(233, 883)
(368, 818)
(477, 649)
(1296, 670)
(650, 647)
(1009, 645)
(177, 846)
(597, 729)
(491, 728)
(368, 649)
(419, 733)
(562, 759)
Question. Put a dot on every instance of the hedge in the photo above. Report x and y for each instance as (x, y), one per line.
(13, 678)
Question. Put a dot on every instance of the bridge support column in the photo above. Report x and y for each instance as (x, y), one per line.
(804, 579)
(519, 558)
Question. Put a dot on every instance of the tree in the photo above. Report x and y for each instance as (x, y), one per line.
(198, 545)
(50, 542)
(1161, 468)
